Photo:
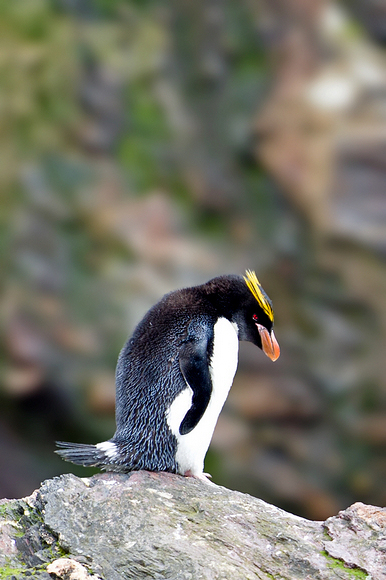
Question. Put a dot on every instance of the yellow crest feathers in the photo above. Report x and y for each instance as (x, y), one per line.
(255, 287)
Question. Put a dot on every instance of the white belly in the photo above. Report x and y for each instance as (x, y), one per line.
(192, 447)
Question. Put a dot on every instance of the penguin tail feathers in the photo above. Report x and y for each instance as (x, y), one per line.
(100, 455)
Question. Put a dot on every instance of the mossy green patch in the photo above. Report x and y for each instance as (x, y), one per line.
(11, 510)
(8, 572)
(29, 533)
(357, 572)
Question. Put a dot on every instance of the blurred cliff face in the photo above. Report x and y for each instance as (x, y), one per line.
(148, 147)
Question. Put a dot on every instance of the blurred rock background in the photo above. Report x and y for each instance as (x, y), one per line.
(149, 145)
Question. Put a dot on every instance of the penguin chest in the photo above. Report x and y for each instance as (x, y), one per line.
(192, 447)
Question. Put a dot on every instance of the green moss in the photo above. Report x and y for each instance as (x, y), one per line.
(28, 522)
(8, 572)
(326, 533)
(56, 551)
(269, 575)
(11, 510)
(338, 563)
(12, 514)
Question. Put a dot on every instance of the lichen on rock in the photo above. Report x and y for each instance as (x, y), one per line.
(160, 525)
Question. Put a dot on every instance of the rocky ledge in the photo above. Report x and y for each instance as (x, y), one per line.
(157, 525)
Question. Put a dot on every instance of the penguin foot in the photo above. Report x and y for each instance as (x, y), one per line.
(201, 476)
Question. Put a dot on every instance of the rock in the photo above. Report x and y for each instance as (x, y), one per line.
(68, 569)
(366, 524)
(159, 525)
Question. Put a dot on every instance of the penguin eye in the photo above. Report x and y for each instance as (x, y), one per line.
(255, 317)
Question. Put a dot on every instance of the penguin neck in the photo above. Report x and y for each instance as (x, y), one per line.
(225, 295)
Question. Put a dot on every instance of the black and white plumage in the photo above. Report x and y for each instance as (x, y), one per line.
(174, 374)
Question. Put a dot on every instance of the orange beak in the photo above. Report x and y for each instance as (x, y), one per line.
(269, 343)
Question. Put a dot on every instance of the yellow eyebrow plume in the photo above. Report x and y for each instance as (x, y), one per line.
(257, 291)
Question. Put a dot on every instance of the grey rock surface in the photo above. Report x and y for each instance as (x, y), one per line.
(158, 525)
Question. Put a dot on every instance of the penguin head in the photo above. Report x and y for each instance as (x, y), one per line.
(242, 300)
(255, 318)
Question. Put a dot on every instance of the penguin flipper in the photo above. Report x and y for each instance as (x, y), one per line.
(193, 359)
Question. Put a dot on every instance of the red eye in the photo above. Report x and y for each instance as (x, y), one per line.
(255, 317)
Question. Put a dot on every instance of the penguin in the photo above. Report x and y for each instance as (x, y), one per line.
(174, 374)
